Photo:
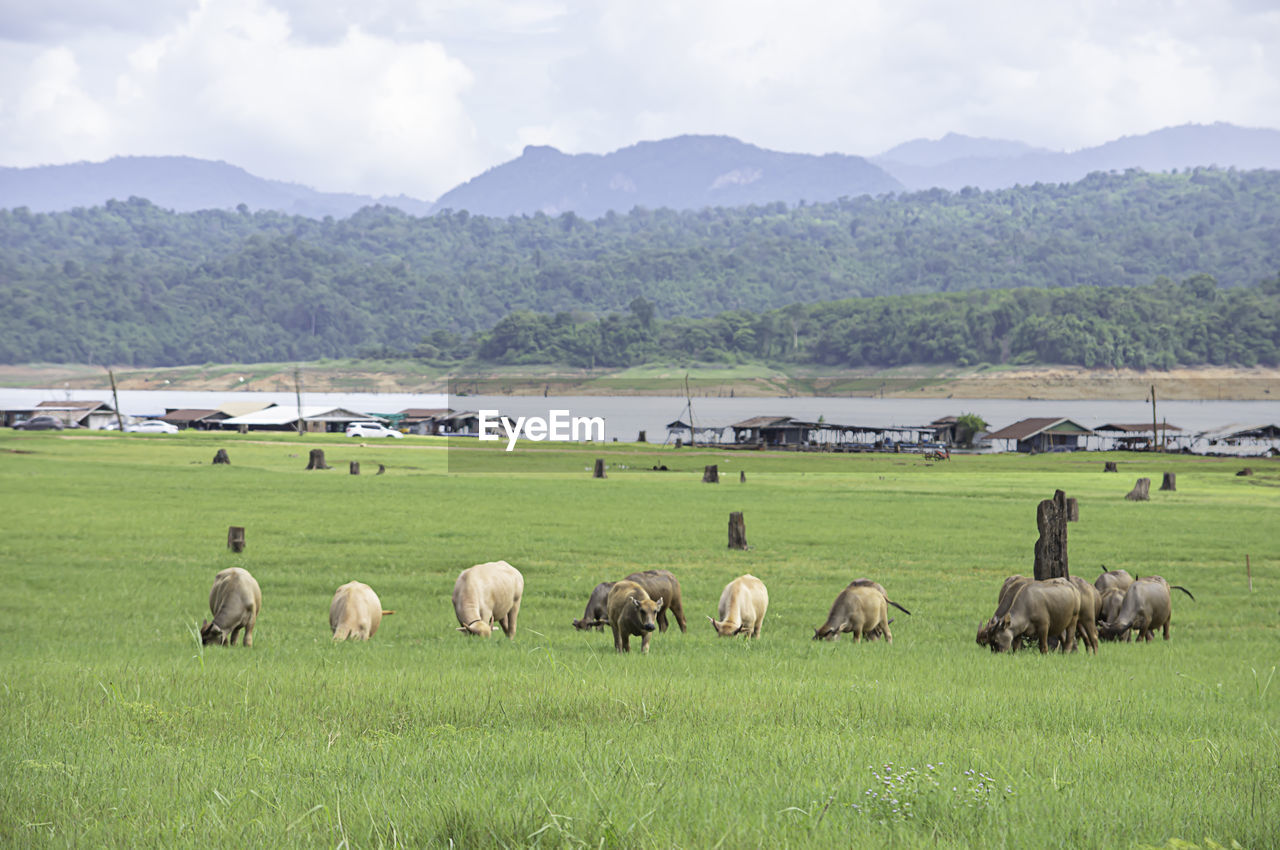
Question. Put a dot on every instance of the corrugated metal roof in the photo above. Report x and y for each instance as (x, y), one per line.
(1137, 428)
(190, 414)
(285, 414)
(1030, 427)
(764, 422)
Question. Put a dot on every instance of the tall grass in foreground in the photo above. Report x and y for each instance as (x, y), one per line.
(118, 729)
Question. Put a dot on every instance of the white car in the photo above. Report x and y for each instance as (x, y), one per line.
(371, 429)
(151, 426)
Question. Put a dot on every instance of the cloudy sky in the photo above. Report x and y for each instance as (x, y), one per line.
(414, 97)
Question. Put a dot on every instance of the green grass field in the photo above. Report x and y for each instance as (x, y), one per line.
(118, 729)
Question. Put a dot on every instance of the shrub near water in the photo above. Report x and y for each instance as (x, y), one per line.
(120, 730)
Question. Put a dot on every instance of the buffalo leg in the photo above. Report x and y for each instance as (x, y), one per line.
(644, 644)
(248, 636)
(1166, 631)
(662, 619)
(235, 633)
(678, 610)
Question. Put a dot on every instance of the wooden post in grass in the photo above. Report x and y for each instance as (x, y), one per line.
(1141, 491)
(316, 460)
(381, 469)
(221, 457)
(1110, 466)
(1170, 481)
(711, 474)
(1051, 546)
(737, 531)
(235, 538)
(599, 472)
(355, 467)
(1248, 470)
(641, 438)
(1073, 510)
(742, 476)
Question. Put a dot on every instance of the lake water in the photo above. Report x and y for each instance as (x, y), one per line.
(626, 416)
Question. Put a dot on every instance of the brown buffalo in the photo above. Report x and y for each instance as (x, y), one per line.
(1087, 616)
(1039, 609)
(858, 610)
(1119, 579)
(1008, 591)
(661, 584)
(866, 582)
(1146, 607)
(1109, 610)
(596, 616)
(632, 612)
(355, 612)
(234, 601)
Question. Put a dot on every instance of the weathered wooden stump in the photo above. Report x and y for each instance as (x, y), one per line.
(742, 476)
(1248, 470)
(1051, 546)
(316, 461)
(641, 438)
(1170, 481)
(1141, 491)
(1073, 510)
(222, 457)
(737, 531)
(679, 442)
(235, 538)
(381, 469)
(599, 472)
(1110, 466)
(355, 467)
(711, 474)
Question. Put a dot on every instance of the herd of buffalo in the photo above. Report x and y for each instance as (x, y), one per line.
(1050, 613)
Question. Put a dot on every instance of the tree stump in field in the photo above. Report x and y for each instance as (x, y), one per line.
(599, 472)
(1141, 491)
(711, 474)
(641, 439)
(742, 476)
(737, 531)
(1248, 470)
(1051, 546)
(221, 457)
(679, 442)
(355, 467)
(1073, 510)
(1170, 481)
(317, 460)
(381, 469)
(1110, 466)
(235, 538)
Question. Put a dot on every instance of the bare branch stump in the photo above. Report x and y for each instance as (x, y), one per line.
(1248, 470)
(737, 531)
(1051, 546)
(641, 438)
(222, 457)
(599, 472)
(711, 474)
(317, 460)
(1141, 491)
(355, 467)
(1170, 481)
(235, 538)
(1110, 466)
(1073, 510)
(742, 476)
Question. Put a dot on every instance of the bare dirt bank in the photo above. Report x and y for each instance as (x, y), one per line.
(1042, 382)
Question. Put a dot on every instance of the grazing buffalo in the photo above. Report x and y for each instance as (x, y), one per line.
(1039, 609)
(1087, 616)
(355, 612)
(742, 607)
(485, 593)
(866, 582)
(1008, 591)
(1109, 610)
(597, 614)
(1119, 579)
(632, 612)
(859, 610)
(234, 601)
(1146, 607)
(661, 584)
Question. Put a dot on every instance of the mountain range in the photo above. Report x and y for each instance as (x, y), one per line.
(682, 173)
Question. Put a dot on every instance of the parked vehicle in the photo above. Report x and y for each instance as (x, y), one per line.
(371, 429)
(39, 423)
(151, 426)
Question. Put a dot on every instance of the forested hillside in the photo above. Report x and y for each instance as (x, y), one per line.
(1161, 325)
(130, 283)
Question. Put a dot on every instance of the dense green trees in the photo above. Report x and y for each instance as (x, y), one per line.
(131, 283)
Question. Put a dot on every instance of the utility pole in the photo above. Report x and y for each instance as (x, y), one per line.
(1155, 434)
(297, 392)
(115, 398)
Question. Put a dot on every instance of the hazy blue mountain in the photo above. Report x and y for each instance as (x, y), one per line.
(683, 173)
(179, 183)
(1223, 145)
(927, 153)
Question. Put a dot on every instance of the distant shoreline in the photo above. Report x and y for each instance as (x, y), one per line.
(1209, 383)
